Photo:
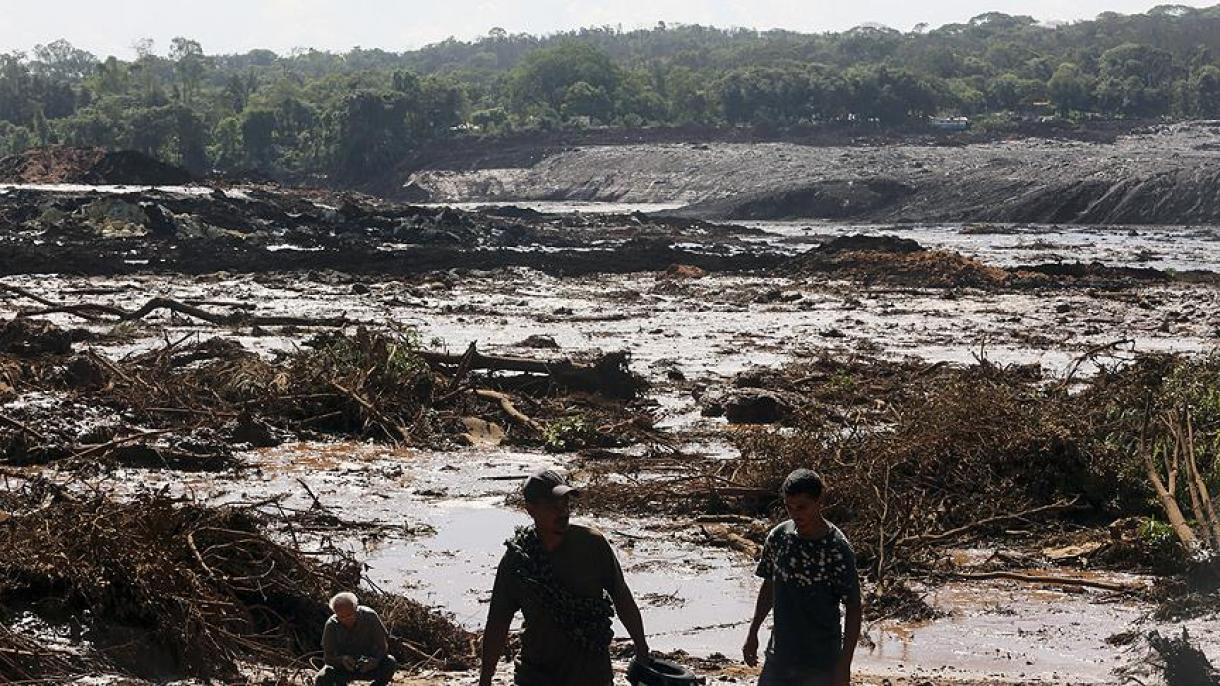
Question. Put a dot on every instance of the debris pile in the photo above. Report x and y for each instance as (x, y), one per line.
(166, 589)
(922, 457)
(189, 405)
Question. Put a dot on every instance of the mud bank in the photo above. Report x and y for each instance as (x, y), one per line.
(1157, 175)
(125, 232)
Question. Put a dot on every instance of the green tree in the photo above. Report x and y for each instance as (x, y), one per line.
(189, 65)
(1203, 92)
(62, 61)
(258, 136)
(372, 134)
(585, 100)
(544, 76)
(1135, 80)
(1069, 89)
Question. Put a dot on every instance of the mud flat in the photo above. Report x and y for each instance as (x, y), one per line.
(343, 396)
(1157, 175)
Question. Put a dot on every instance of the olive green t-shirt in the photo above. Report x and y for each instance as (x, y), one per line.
(585, 564)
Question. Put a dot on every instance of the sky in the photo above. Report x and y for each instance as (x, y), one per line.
(110, 27)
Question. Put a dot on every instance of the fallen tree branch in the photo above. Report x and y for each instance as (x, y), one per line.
(1165, 493)
(236, 318)
(117, 442)
(389, 426)
(22, 427)
(1054, 580)
(511, 410)
(90, 312)
(608, 376)
(1000, 519)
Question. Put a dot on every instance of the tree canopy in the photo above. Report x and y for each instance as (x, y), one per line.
(350, 115)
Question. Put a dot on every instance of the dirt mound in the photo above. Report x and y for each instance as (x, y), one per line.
(829, 199)
(58, 164)
(860, 242)
(897, 261)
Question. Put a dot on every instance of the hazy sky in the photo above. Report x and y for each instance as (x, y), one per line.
(223, 26)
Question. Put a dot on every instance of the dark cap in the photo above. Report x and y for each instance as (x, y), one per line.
(547, 483)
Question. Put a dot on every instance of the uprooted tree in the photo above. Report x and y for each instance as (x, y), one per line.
(1178, 444)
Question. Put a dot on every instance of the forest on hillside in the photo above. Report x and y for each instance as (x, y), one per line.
(350, 116)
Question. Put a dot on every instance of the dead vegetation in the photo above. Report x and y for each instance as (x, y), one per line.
(161, 589)
(920, 458)
(189, 402)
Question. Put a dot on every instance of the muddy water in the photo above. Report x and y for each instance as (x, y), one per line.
(1157, 247)
(441, 517)
(444, 515)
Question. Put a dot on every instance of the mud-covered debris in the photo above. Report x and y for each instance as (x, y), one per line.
(684, 271)
(864, 243)
(27, 337)
(897, 261)
(1181, 662)
(370, 383)
(541, 341)
(61, 164)
(203, 589)
(749, 406)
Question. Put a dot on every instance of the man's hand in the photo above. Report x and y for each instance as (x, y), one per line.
(366, 664)
(750, 650)
(348, 662)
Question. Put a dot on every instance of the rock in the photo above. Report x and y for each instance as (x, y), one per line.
(540, 341)
(481, 433)
(755, 405)
(685, 271)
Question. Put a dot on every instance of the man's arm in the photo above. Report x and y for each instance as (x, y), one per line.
(495, 639)
(762, 608)
(851, 636)
(629, 614)
(330, 649)
(381, 642)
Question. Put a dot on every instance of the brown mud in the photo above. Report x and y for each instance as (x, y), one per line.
(979, 421)
(61, 164)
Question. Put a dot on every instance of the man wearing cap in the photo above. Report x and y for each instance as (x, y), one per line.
(567, 583)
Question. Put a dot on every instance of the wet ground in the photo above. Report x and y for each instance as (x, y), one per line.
(438, 519)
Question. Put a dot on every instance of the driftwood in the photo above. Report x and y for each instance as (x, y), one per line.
(1053, 580)
(608, 375)
(1060, 506)
(506, 404)
(94, 312)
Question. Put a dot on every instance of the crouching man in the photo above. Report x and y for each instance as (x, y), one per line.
(567, 583)
(354, 646)
(808, 571)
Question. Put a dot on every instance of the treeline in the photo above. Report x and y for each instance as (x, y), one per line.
(353, 115)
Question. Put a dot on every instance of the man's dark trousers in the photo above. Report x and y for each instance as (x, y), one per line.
(338, 676)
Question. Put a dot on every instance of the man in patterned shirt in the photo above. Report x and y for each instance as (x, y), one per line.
(808, 570)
